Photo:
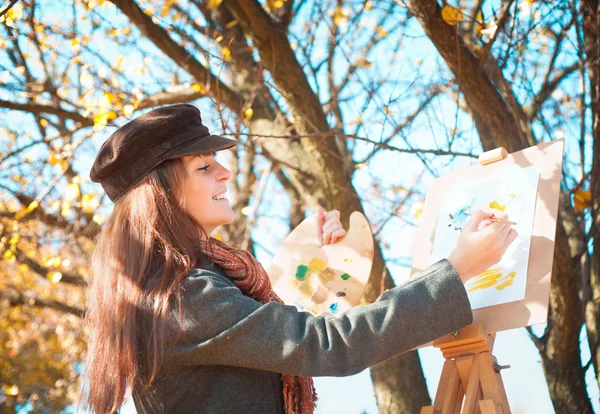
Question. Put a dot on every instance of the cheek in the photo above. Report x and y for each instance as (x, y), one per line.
(198, 200)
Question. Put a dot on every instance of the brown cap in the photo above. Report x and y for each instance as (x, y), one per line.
(133, 150)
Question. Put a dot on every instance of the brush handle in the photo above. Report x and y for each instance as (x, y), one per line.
(499, 220)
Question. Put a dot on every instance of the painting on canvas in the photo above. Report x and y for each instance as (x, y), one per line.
(514, 192)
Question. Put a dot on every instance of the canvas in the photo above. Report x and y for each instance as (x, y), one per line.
(513, 191)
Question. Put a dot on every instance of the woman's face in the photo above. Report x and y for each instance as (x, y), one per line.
(205, 191)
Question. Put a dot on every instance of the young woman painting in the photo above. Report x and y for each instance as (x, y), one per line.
(191, 325)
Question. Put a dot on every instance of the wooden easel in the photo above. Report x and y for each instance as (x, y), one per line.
(470, 381)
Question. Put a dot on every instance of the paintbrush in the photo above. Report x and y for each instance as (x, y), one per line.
(499, 220)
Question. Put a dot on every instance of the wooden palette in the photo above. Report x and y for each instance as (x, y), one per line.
(327, 279)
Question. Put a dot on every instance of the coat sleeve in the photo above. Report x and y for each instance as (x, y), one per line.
(221, 326)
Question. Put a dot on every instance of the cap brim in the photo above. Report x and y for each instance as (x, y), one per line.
(204, 144)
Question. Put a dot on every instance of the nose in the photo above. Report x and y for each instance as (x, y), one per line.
(223, 174)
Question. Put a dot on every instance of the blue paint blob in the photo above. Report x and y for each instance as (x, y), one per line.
(333, 307)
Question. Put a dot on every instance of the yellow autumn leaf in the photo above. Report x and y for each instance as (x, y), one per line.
(198, 88)
(218, 236)
(33, 205)
(54, 277)
(89, 203)
(417, 209)
(14, 239)
(360, 165)
(231, 24)
(53, 159)
(274, 4)
(226, 53)
(12, 390)
(381, 32)
(98, 219)
(100, 120)
(364, 63)
(72, 192)
(214, 3)
(248, 113)
(53, 262)
(582, 200)
(128, 110)
(164, 11)
(356, 121)
(451, 15)
(339, 16)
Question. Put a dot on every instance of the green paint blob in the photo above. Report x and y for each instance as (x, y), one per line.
(302, 272)
(345, 276)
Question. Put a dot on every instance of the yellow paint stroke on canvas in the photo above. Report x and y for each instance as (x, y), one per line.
(507, 280)
(489, 278)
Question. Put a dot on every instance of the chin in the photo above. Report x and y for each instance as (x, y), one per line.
(229, 218)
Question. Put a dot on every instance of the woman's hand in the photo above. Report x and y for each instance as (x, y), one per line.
(481, 244)
(329, 228)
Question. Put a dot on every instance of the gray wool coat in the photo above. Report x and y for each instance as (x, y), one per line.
(232, 350)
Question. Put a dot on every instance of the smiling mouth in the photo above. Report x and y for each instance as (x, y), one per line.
(219, 197)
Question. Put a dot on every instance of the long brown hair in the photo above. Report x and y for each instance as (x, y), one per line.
(147, 247)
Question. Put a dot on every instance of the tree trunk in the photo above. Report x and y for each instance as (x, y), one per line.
(591, 31)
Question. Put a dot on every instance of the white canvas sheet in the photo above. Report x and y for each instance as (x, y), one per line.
(514, 192)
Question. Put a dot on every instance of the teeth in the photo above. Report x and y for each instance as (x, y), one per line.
(220, 196)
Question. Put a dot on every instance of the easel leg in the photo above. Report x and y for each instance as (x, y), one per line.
(491, 382)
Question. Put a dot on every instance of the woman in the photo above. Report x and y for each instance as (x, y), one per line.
(190, 324)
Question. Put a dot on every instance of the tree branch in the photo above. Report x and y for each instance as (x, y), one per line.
(161, 39)
(43, 271)
(16, 298)
(38, 109)
(549, 87)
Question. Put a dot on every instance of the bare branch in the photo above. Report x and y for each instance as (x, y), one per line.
(167, 98)
(217, 89)
(549, 87)
(10, 5)
(38, 109)
(376, 143)
(16, 298)
(500, 22)
(43, 271)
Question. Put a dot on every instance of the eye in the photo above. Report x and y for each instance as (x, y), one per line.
(204, 168)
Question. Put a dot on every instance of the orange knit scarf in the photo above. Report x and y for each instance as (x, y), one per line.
(250, 277)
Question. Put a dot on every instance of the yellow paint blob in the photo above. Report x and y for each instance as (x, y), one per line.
(498, 206)
(293, 283)
(316, 265)
(307, 289)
